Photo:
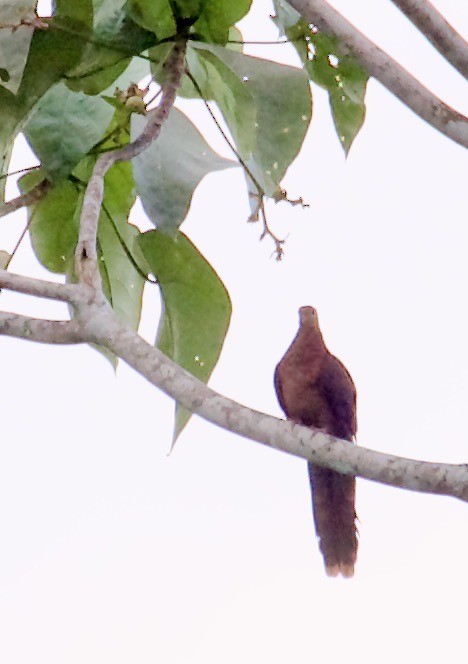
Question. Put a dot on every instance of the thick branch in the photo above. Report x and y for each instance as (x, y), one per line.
(44, 331)
(438, 31)
(106, 329)
(71, 293)
(386, 70)
(85, 254)
(96, 322)
(26, 199)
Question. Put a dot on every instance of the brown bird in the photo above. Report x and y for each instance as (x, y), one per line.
(316, 390)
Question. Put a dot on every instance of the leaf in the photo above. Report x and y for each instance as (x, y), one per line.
(283, 108)
(76, 14)
(218, 16)
(136, 70)
(125, 284)
(235, 101)
(51, 53)
(195, 65)
(158, 56)
(154, 16)
(5, 258)
(64, 126)
(188, 10)
(8, 126)
(343, 78)
(16, 32)
(197, 308)
(114, 40)
(53, 223)
(169, 170)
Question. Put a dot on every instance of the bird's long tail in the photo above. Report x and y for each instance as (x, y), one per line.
(333, 497)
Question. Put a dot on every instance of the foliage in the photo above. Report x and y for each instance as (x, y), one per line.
(57, 84)
(344, 80)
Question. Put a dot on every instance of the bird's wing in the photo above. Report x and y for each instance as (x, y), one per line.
(337, 388)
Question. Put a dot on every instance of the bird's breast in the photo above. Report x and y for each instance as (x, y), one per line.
(304, 399)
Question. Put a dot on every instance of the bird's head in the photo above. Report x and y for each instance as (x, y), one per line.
(308, 316)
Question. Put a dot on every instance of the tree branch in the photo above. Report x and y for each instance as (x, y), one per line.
(386, 70)
(97, 323)
(36, 329)
(322, 449)
(72, 293)
(26, 199)
(438, 31)
(85, 255)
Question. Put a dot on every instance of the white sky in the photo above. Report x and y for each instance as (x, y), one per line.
(113, 552)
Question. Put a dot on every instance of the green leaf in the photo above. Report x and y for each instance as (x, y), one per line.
(235, 101)
(158, 56)
(218, 16)
(235, 38)
(124, 283)
(5, 258)
(343, 78)
(99, 78)
(64, 126)
(136, 70)
(78, 14)
(8, 127)
(197, 308)
(114, 40)
(169, 170)
(16, 33)
(51, 53)
(283, 107)
(53, 223)
(188, 10)
(154, 16)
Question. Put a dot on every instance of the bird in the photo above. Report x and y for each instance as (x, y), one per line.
(315, 389)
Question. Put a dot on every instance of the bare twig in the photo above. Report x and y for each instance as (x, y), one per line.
(85, 254)
(386, 70)
(267, 232)
(438, 31)
(26, 199)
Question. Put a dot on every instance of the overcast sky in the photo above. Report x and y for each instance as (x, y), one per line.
(111, 551)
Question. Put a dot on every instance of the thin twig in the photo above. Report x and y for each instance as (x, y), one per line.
(29, 198)
(267, 232)
(20, 170)
(386, 70)
(17, 245)
(260, 43)
(224, 135)
(260, 210)
(438, 31)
